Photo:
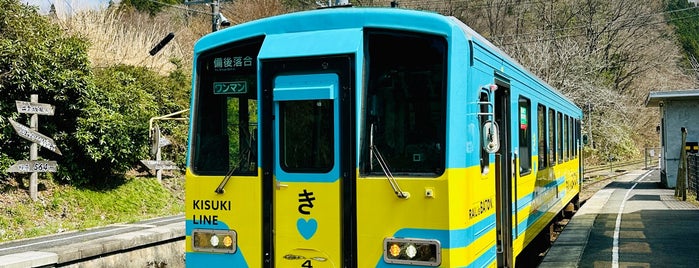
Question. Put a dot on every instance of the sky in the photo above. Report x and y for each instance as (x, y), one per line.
(67, 6)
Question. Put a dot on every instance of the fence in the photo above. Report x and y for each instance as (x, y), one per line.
(693, 174)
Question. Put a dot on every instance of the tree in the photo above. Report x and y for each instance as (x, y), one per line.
(36, 58)
(114, 128)
(101, 118)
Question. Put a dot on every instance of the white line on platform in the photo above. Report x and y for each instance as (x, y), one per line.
(64, 238)
(617, 227)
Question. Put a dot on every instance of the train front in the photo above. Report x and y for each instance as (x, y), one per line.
(319, 139)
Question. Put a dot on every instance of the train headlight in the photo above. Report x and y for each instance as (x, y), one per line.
(222, 241)
(426, 252)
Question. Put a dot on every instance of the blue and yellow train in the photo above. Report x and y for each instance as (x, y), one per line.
(355, 137)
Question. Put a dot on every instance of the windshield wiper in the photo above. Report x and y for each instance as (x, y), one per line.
(374, 153)
(232, 170)
(245, 156)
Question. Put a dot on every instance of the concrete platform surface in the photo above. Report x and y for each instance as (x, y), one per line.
(72, 246)
(630, 223)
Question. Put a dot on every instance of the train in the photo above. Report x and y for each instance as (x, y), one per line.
(371, 137)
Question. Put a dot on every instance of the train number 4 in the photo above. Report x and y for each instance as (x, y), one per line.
(307, 264)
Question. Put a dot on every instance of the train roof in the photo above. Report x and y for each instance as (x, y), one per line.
(333, 19)
(344, 18)
(358, 18)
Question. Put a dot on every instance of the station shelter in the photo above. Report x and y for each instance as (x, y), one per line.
(678, 109)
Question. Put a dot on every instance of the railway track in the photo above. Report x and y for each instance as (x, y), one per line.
(612, 166)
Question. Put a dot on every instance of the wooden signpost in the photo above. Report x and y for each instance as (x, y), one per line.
(35, 137)
(33, 166)
(159, 165)
(32, 134)
(158, 141)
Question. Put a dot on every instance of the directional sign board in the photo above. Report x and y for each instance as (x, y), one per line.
(153, 164)
(25, 107)
(33, 166)
(164, 141)
(31, 135)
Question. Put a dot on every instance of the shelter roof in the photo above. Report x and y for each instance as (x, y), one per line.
(657, 98)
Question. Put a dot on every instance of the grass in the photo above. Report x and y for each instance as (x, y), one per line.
(62, 208)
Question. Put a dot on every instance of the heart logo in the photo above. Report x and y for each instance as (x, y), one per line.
(307, 228)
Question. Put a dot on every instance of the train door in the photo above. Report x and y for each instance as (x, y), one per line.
(306, 173)
(503, 175)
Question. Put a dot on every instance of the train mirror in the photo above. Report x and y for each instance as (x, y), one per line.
(585, 139)
(491, 137)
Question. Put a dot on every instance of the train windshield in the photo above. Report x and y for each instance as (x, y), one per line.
(404, 116)
(225, 116)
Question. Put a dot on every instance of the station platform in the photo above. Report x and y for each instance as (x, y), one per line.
(630, 223)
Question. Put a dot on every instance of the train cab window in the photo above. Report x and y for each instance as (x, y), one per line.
(541, 134)
(225, 111)
(552, 137)
(525, 136)
(405, 105)
(560, 138)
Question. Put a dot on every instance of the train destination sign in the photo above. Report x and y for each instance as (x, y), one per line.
(156, 165)
(233, 63)
(33, 166)
(25, 107)
(33, 136)
(237, 87)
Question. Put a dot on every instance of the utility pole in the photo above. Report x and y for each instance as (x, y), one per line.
(215, 13)
(217, 19)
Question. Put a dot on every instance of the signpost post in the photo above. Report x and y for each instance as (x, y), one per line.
(158, 141)
(32, 134)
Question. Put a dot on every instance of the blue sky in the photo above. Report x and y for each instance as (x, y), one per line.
(67, 6)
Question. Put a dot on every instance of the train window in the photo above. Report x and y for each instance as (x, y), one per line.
(306, 131)
(566, 138)
(525, 137)
(552, 137)
(571, 138)
(485, 156)
(405, 101)
(225, 111)
(559, 138)
(541, 134)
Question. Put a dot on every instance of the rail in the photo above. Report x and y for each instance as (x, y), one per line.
(611, 166)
